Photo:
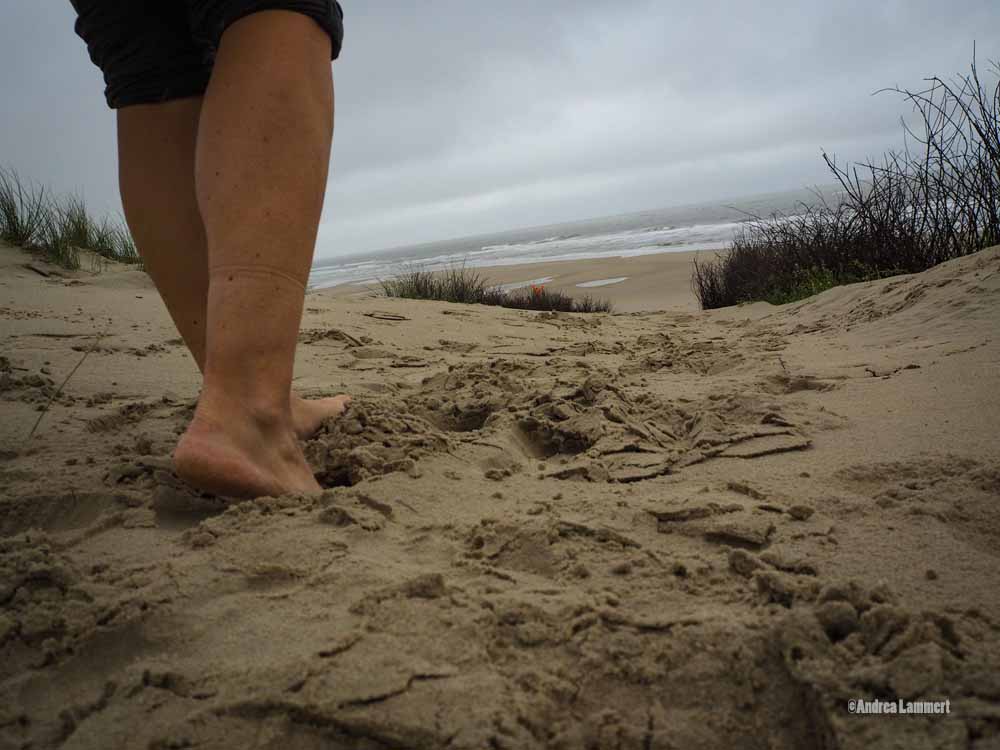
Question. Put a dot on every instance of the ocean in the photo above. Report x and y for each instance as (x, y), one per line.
(703, 226)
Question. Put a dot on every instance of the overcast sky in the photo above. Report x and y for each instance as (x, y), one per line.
(458, 117)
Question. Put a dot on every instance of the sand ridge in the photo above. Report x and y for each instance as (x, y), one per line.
(646, 530)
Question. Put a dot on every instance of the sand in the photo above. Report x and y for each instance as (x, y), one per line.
(671, 529)
(661, 281)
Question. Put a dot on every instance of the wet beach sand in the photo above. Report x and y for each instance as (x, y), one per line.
(652, 529)
(660, 281)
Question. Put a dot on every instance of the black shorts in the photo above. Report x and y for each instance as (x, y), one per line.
(156, 50)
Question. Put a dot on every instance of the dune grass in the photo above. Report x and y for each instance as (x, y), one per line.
(936, 199)
(58, 228)
(461, 284)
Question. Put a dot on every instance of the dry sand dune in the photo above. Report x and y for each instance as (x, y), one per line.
(652, 530)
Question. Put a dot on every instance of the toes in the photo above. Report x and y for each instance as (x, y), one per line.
(312, 413)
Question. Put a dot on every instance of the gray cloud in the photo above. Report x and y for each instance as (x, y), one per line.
(458, 117)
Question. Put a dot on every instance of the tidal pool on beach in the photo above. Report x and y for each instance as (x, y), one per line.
(603, 282)
(529, 282)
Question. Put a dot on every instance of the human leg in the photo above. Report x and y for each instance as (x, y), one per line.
(267, 66)
(156, 158)
(261, 165)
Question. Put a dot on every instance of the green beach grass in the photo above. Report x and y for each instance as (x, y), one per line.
(58, 228)
(461, 284)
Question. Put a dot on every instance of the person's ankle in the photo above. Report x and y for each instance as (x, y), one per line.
(267, 415)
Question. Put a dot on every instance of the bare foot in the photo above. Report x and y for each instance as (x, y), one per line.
(229, 452)
(308, 415)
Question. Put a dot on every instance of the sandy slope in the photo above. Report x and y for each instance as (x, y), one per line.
(659, 530)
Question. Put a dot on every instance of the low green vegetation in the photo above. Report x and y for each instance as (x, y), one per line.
(465, 285)
(937, 199)
(58, 228)
(806, 284)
